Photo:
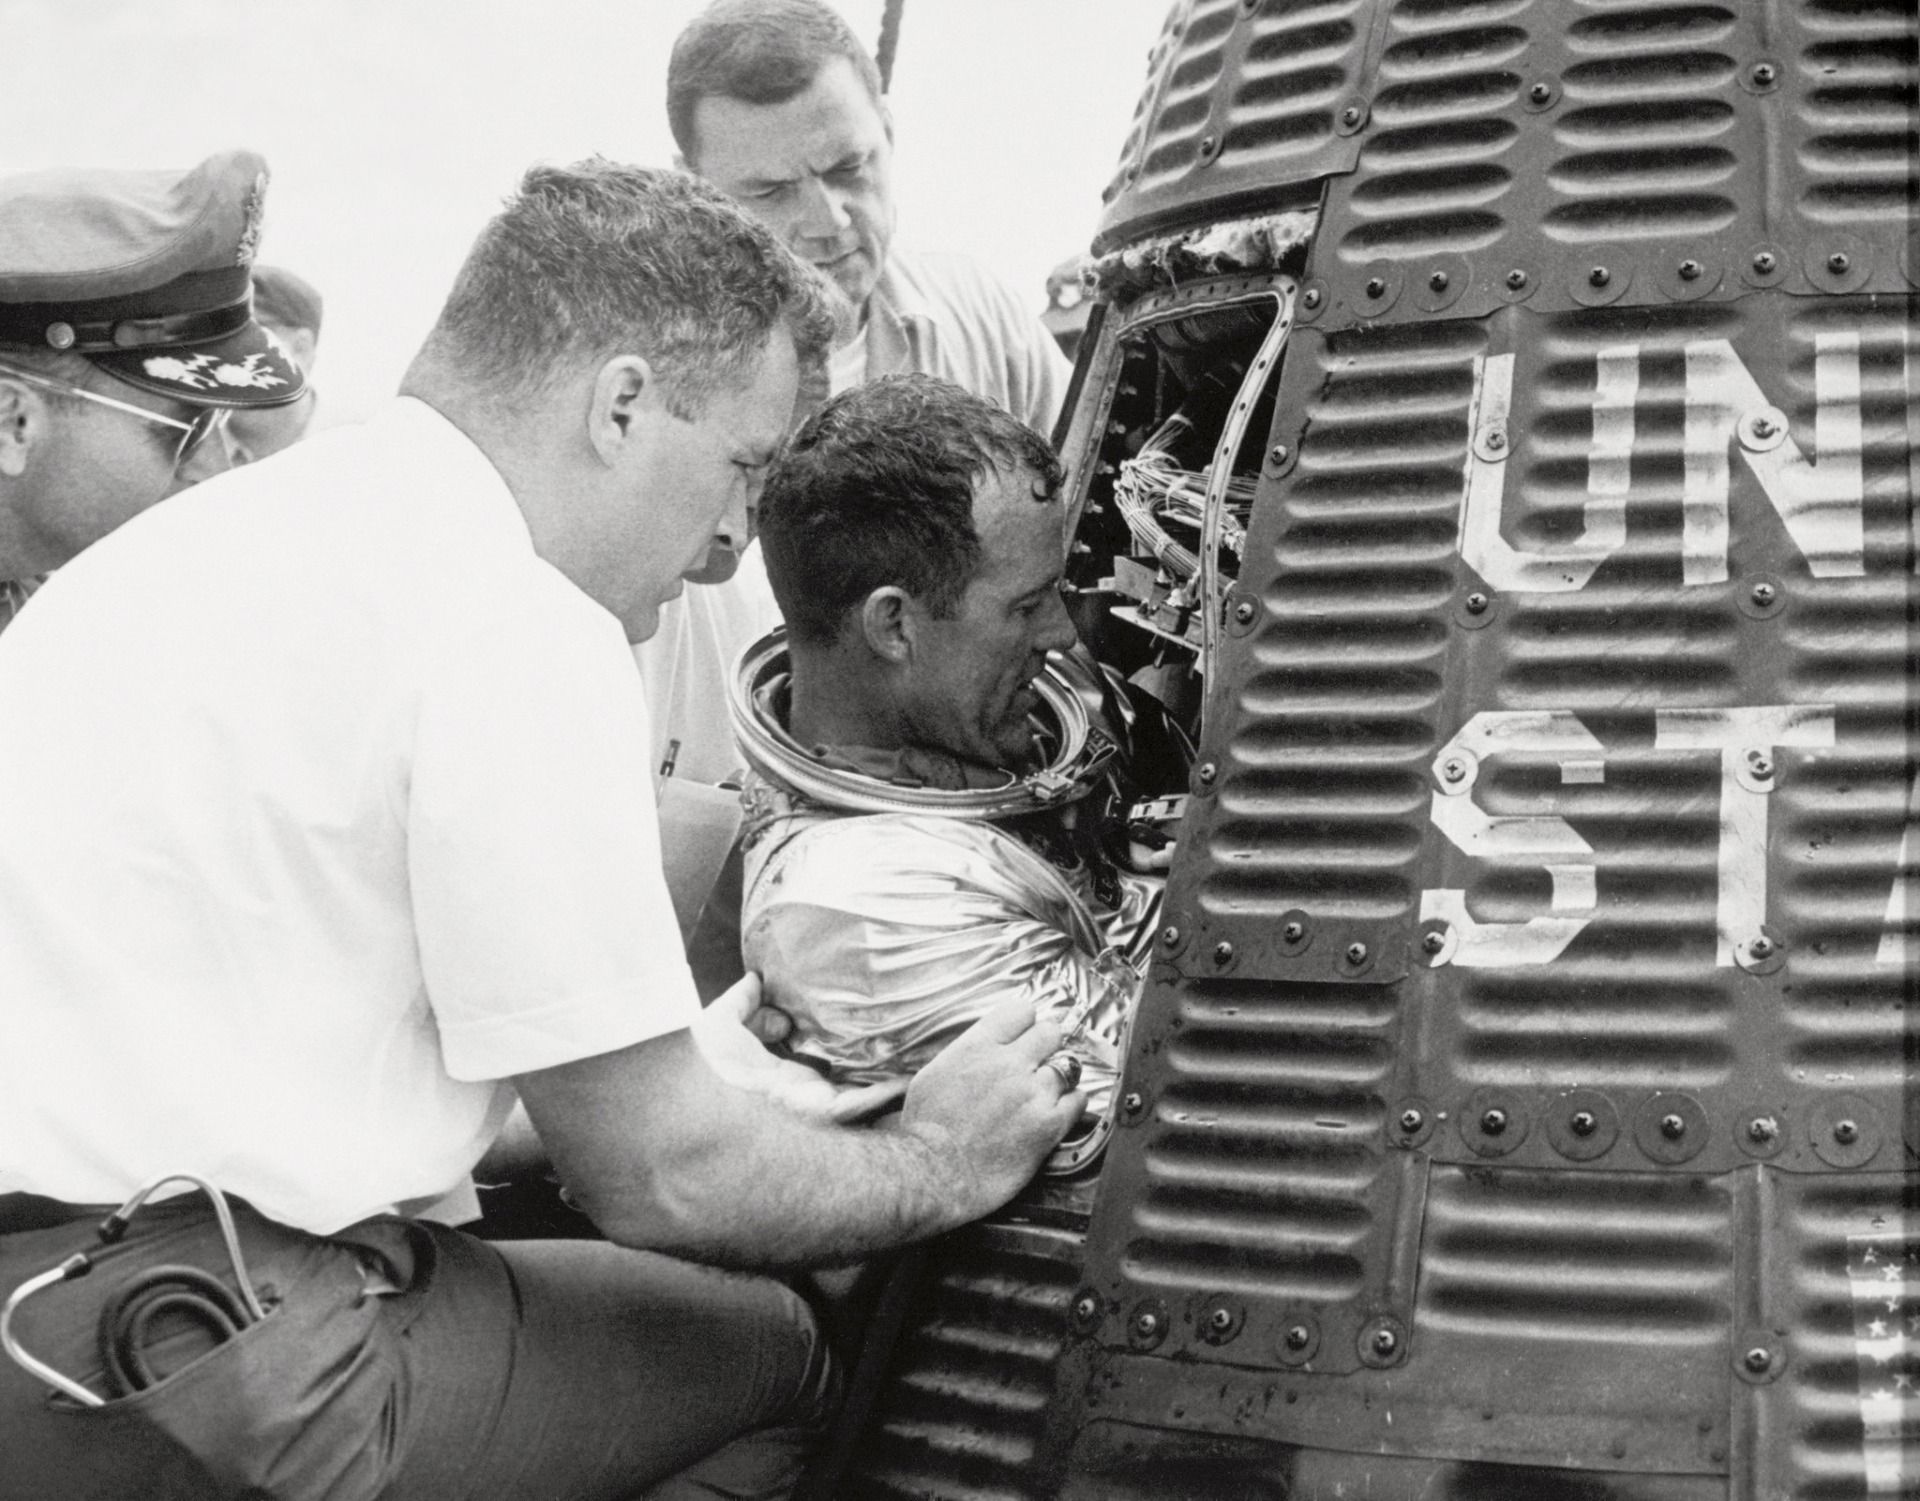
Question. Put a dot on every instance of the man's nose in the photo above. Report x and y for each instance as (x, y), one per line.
(734, 530)
(1056, 625)
(823, 210)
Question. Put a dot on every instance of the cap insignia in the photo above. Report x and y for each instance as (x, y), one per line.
(201, 372)
(189, 372)
(247, 372)
(256, 219)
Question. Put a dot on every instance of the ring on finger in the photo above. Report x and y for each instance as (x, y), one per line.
(1067, 1066)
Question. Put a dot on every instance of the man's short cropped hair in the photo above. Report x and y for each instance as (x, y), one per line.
(597, 259)
(759, 52)
(877, 489)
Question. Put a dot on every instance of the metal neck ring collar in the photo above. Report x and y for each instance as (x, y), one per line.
(1081, 748)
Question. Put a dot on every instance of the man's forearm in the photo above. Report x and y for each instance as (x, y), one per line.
(794, 1193)
(666, 1156)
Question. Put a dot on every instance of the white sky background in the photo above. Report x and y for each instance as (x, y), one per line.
(394, 127)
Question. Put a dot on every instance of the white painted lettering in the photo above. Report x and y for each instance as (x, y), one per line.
(1747, 739)
(1609, 467)
(1536, 838)
(1821, 505)
(1903, 901)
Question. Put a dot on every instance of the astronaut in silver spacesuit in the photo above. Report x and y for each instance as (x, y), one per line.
(922, 743)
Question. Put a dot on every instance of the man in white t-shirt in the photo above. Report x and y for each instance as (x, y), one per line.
(778, 104)
(343, 846)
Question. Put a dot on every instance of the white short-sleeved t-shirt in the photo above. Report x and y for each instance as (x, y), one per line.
(685, 666)
(320, 815)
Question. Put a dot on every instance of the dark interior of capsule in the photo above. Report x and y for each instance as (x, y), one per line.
(1139, 592)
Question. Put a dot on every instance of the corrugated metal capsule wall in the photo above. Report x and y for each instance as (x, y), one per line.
(1523, 1094)
(1515, 133)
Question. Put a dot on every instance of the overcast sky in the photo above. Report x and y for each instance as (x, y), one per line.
(394, 127)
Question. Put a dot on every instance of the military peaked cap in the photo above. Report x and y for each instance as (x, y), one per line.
(147, 274)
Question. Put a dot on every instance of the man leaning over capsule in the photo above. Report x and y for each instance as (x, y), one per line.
(344, 847)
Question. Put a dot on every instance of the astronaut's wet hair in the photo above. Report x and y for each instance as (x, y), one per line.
(877, 489)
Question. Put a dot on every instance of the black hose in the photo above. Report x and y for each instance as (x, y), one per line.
(127, 1319)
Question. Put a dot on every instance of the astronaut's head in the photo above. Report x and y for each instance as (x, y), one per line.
(914, 536)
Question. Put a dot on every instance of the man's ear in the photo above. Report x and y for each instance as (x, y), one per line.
(887, 624)
(624, 390)
(24, 421)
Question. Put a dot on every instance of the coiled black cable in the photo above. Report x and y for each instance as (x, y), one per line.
(127, 1319)
(128, 1315)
